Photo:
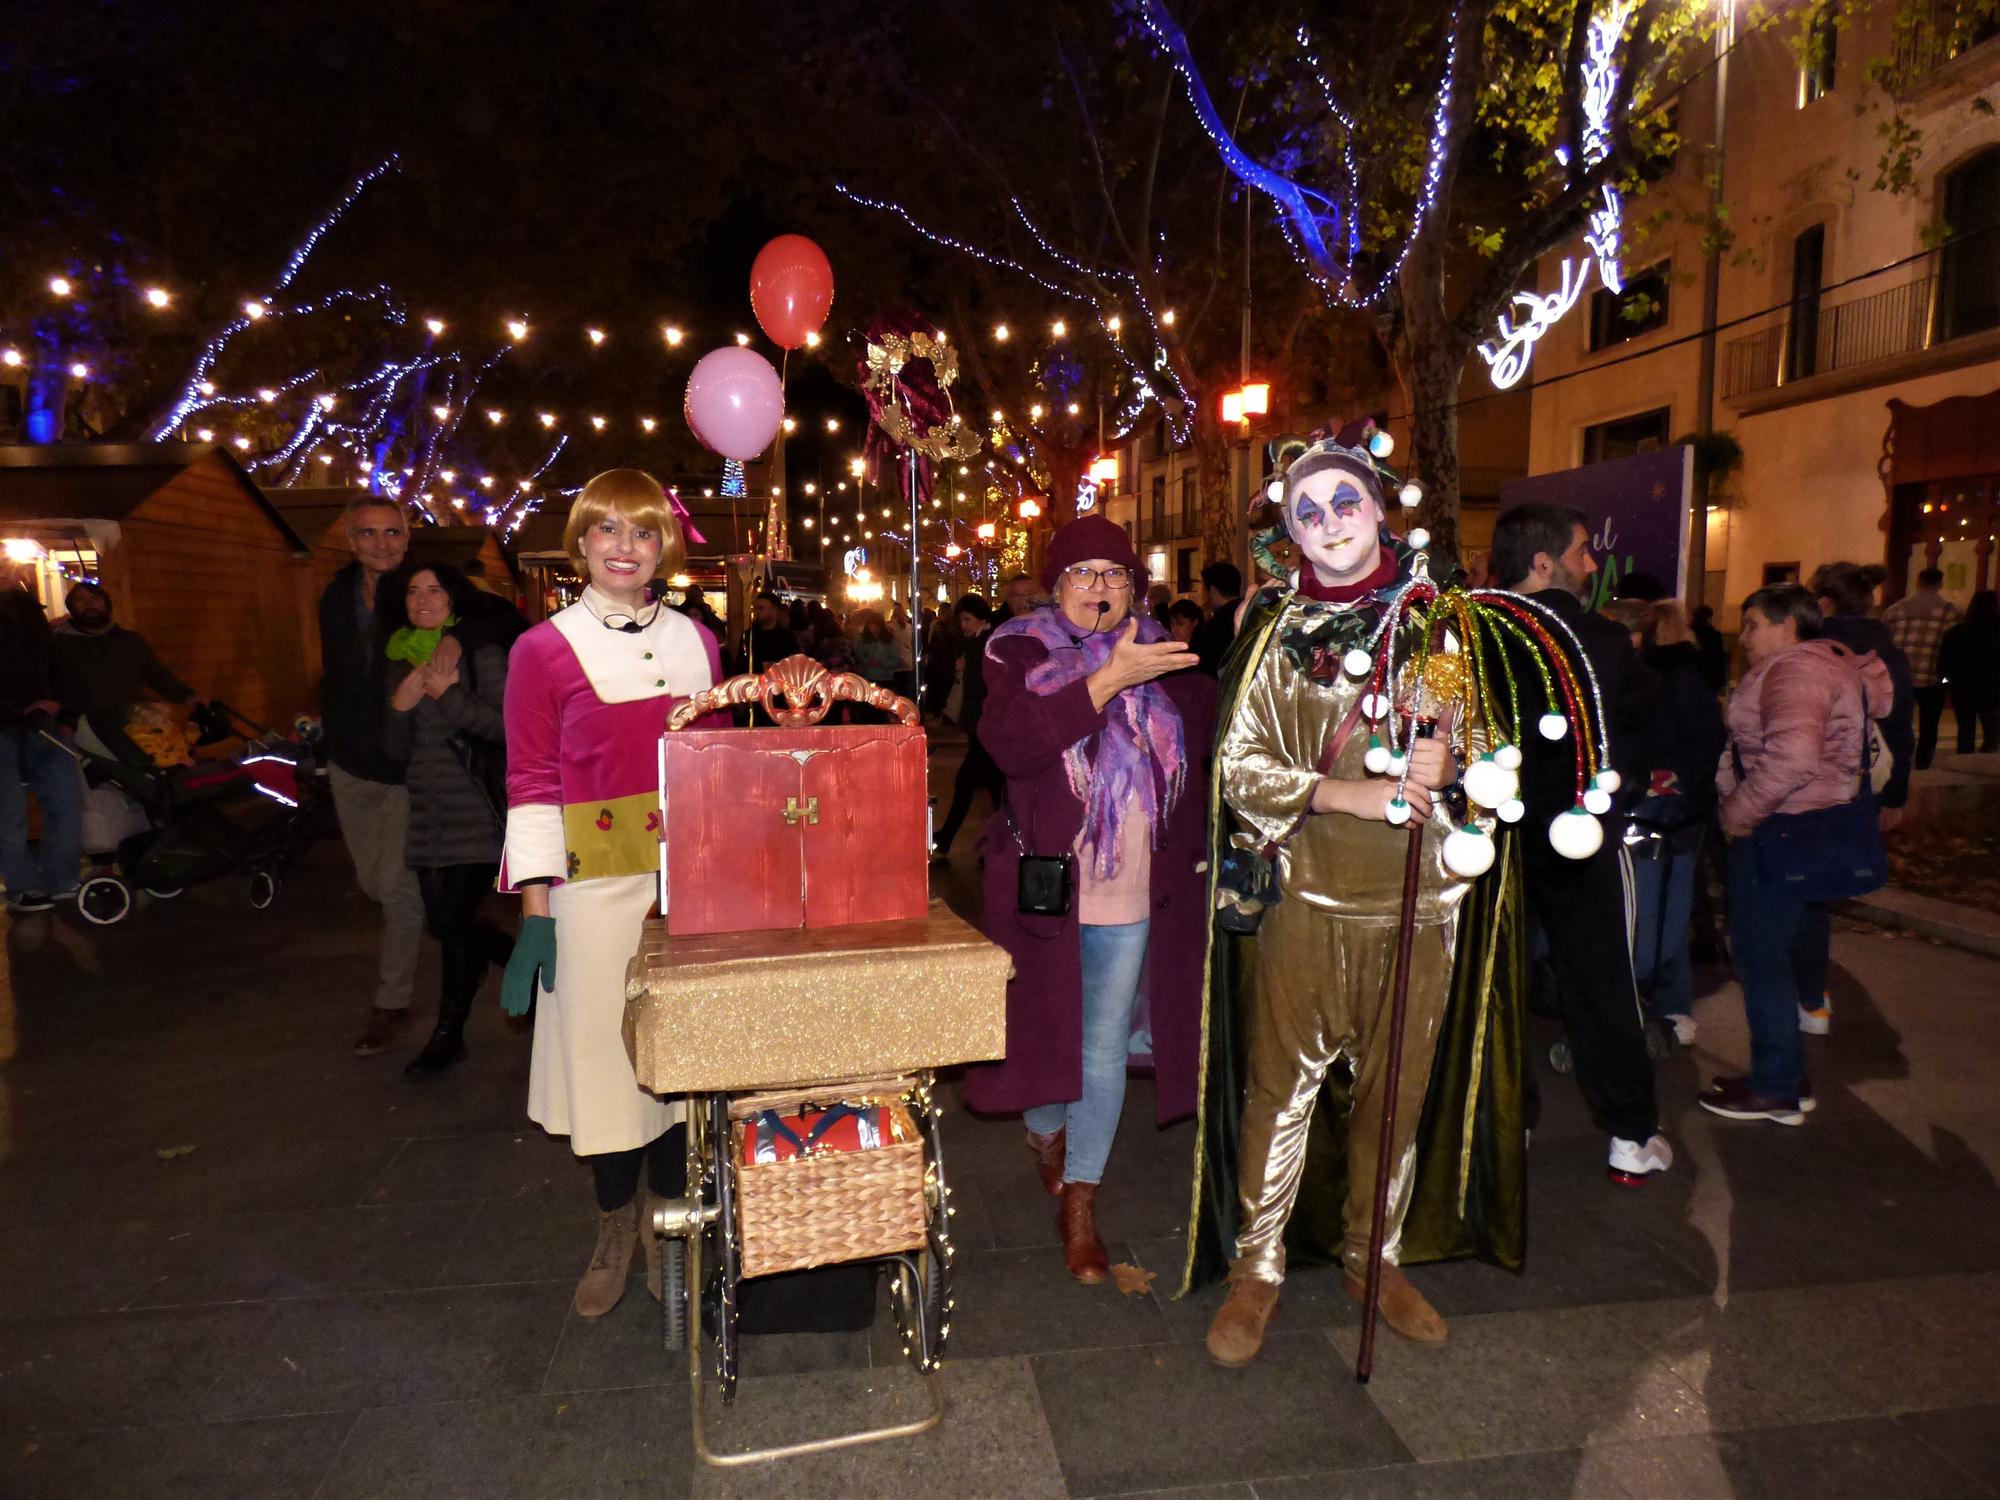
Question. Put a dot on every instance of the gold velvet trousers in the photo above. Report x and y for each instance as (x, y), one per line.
(1322, 995)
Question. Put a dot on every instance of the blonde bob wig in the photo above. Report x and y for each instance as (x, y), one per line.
(640, 499)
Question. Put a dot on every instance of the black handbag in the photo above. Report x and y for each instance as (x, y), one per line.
(1042, 884)
(1828, 854)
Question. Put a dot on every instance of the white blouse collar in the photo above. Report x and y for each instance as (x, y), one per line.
(664, 658)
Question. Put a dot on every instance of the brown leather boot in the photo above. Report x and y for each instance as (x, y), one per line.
(1083, 1251)
(1403, 1307)
(1049, 1151)
(604, 1283)
(650, 1243)
(1238, 1330)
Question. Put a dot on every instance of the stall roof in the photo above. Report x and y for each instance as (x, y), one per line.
(108, 481)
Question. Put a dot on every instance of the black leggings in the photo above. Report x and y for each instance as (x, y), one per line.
(452, 897)
(976, 773)
(615, 1174)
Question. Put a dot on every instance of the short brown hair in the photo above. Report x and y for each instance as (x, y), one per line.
(366, 501)
(1636, 615)
(1779, 602)
(640, 499)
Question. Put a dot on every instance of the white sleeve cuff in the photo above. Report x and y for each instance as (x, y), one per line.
(535, 848)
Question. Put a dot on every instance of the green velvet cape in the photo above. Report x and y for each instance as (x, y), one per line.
(1470, 1192)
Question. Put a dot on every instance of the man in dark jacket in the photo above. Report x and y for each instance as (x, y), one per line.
(1221, 592)
(36, 878)
(977, 771)
(368, 790)
(103, 669)
(1544, 551)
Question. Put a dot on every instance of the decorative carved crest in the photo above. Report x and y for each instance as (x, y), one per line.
(796, 692)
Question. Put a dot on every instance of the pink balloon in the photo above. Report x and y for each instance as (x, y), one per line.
(791, 289)
(734, 402)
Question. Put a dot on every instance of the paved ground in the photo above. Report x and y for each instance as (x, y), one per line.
(354, 1286)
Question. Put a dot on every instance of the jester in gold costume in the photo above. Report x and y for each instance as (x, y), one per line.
(1311, 817)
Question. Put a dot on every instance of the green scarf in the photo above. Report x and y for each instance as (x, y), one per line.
(415, 646)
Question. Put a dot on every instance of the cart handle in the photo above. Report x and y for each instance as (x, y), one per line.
(808, 691)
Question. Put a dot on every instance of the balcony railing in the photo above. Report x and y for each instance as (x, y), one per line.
(1900, 320)
(1927, 41)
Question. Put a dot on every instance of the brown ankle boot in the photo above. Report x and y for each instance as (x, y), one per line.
(1238, 1330)
(650, 1243)
(1403, 1307)
(1048, 1151)
(604, 1283)
(1083, 1251)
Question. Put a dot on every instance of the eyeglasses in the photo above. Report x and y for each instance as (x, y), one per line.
(1083, 576)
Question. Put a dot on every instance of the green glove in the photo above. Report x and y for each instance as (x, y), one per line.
(534, 955)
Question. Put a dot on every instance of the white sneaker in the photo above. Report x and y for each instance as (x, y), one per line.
(1632, 1163)
(1684, 1029)
(1819, 1021)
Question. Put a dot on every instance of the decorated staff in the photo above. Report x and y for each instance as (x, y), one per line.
(1345, 861)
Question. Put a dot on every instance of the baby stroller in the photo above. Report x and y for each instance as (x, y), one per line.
(163, 829)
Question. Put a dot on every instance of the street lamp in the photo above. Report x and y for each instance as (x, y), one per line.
(1251, 399)
(1029, 508)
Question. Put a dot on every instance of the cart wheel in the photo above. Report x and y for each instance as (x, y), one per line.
(921, 1291)
(163, 892)
(1560, 1057)
(723, 1253)
(103, 899)
(673, 1295)
(263, 888)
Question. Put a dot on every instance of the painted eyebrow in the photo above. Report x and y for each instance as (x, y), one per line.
(1347, 497)
(1308, 509)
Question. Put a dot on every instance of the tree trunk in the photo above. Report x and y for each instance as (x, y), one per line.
(1430, 379)
(1065, 466)
(1221, 526)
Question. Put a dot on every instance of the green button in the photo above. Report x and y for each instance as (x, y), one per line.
(649, 656)
(659, 682)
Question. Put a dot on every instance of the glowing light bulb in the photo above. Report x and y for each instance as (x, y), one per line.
(11, 358)
(672, 335)
(325, 458)
(326, 402)
(495, 415)
(812, 339)
(1059, 329)
(546, 418)
(206, 434)
(267, 395)
(999, 416)
(598, 423)
(647, 424)
(1116, 324)
(157, 296)
(1035, 412)
(449, 476)
(1001, 333)
(742, 340)
(1167, 318)
(207, 387)
(80, 370)
(60, 285)
(857, 467)
(789, 425)
(243, 443)
(254, 310)
(486, 481)
(441, 412)
(435, 325)
(1073, 408)
(366, 467)
(595, 335)
(517, 329)
(833, 424)
(524, 486)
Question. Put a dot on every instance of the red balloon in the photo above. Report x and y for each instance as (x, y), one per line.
(791, 289)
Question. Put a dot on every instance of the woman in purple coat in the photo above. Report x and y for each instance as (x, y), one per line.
(1104, 739)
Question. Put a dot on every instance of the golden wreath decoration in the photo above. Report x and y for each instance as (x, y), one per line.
(886, 358)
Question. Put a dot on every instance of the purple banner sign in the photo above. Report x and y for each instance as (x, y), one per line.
(1637, 510)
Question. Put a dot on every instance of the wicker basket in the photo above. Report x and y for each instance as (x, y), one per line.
(833, 1206)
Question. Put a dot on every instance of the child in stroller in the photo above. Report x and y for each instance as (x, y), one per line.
(164, 827)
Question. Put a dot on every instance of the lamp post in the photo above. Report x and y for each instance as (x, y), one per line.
(1711, 294)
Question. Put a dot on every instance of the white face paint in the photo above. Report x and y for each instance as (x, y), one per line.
(1335, 522)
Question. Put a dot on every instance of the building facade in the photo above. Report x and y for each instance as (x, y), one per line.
(1846, 312)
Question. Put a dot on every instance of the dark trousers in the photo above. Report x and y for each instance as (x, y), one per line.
(976, 773)
(615, 1174)
(1580, 906)
(1973, 714)
(452, 895)
(1930, 709)
(1780, 945)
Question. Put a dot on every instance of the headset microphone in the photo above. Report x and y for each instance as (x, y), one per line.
(1104, 606)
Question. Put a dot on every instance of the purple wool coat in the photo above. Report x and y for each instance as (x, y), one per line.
(1026, 734)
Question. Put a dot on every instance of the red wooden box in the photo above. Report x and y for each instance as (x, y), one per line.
(802, 825)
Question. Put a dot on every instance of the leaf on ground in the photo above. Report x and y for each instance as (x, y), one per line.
(1133, 1281)
(168, 1153)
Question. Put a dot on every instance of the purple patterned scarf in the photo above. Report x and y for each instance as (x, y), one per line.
(1140, 752)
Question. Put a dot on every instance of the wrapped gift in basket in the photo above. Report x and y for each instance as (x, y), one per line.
(799, 991)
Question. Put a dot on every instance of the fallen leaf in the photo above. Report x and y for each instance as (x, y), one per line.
(1133, 1281)
(168, 1153)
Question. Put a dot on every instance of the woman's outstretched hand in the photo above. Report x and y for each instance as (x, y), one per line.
(1132, 663)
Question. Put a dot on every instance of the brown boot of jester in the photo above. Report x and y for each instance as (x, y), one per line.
(1238, 1330)
(1083, 1251)
(1403, 1307)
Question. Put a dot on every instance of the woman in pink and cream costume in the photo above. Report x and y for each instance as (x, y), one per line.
(588, 692)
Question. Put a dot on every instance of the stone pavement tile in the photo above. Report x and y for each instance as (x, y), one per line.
(1771, 1358)
(1813, 1237)
(625, 1347)
(374, 1097)
(213, 1460)
(1969, 1436)
(51, 1269)
(1196, 1492)
(1138, 1419)
(543, 1236)
(1527, 1382)
(242, 1174)
(1024, 1302)
(540, 1447)
(993, 1443)
(114, 1369)
(521, 1163)
(1517, 1476)
(297, 1253)
(385, 1348)
(1852, 1460)
(1312, 1297)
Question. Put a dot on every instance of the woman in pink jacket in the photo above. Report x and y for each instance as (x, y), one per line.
(1798, 742)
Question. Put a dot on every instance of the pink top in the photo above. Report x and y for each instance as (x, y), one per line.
(1127, 896)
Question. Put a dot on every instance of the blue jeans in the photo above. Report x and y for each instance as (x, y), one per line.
(1780, 946)
(1114, 958)
(1663, 901)
(26, 757)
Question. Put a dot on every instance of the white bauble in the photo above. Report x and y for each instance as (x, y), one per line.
(1381, 444)
(1397, 812)
(1609, 780)
(1597, 801)
(1553, 726)
(1507, 757)
(1411, 495)
(1489, 783)
(1357, 663)
(1512, 810)
(1398, 763)
(1576, 834)
(1374, 705)
(1375, 760)
(1275, 491)
(1418, 538)
(1468, 852)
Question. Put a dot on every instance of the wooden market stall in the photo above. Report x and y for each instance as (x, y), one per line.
(194, 554)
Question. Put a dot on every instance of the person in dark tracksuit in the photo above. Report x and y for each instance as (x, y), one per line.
(977, 771)
(1581, 905)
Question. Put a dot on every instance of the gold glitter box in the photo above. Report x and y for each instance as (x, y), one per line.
(746, 1010)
